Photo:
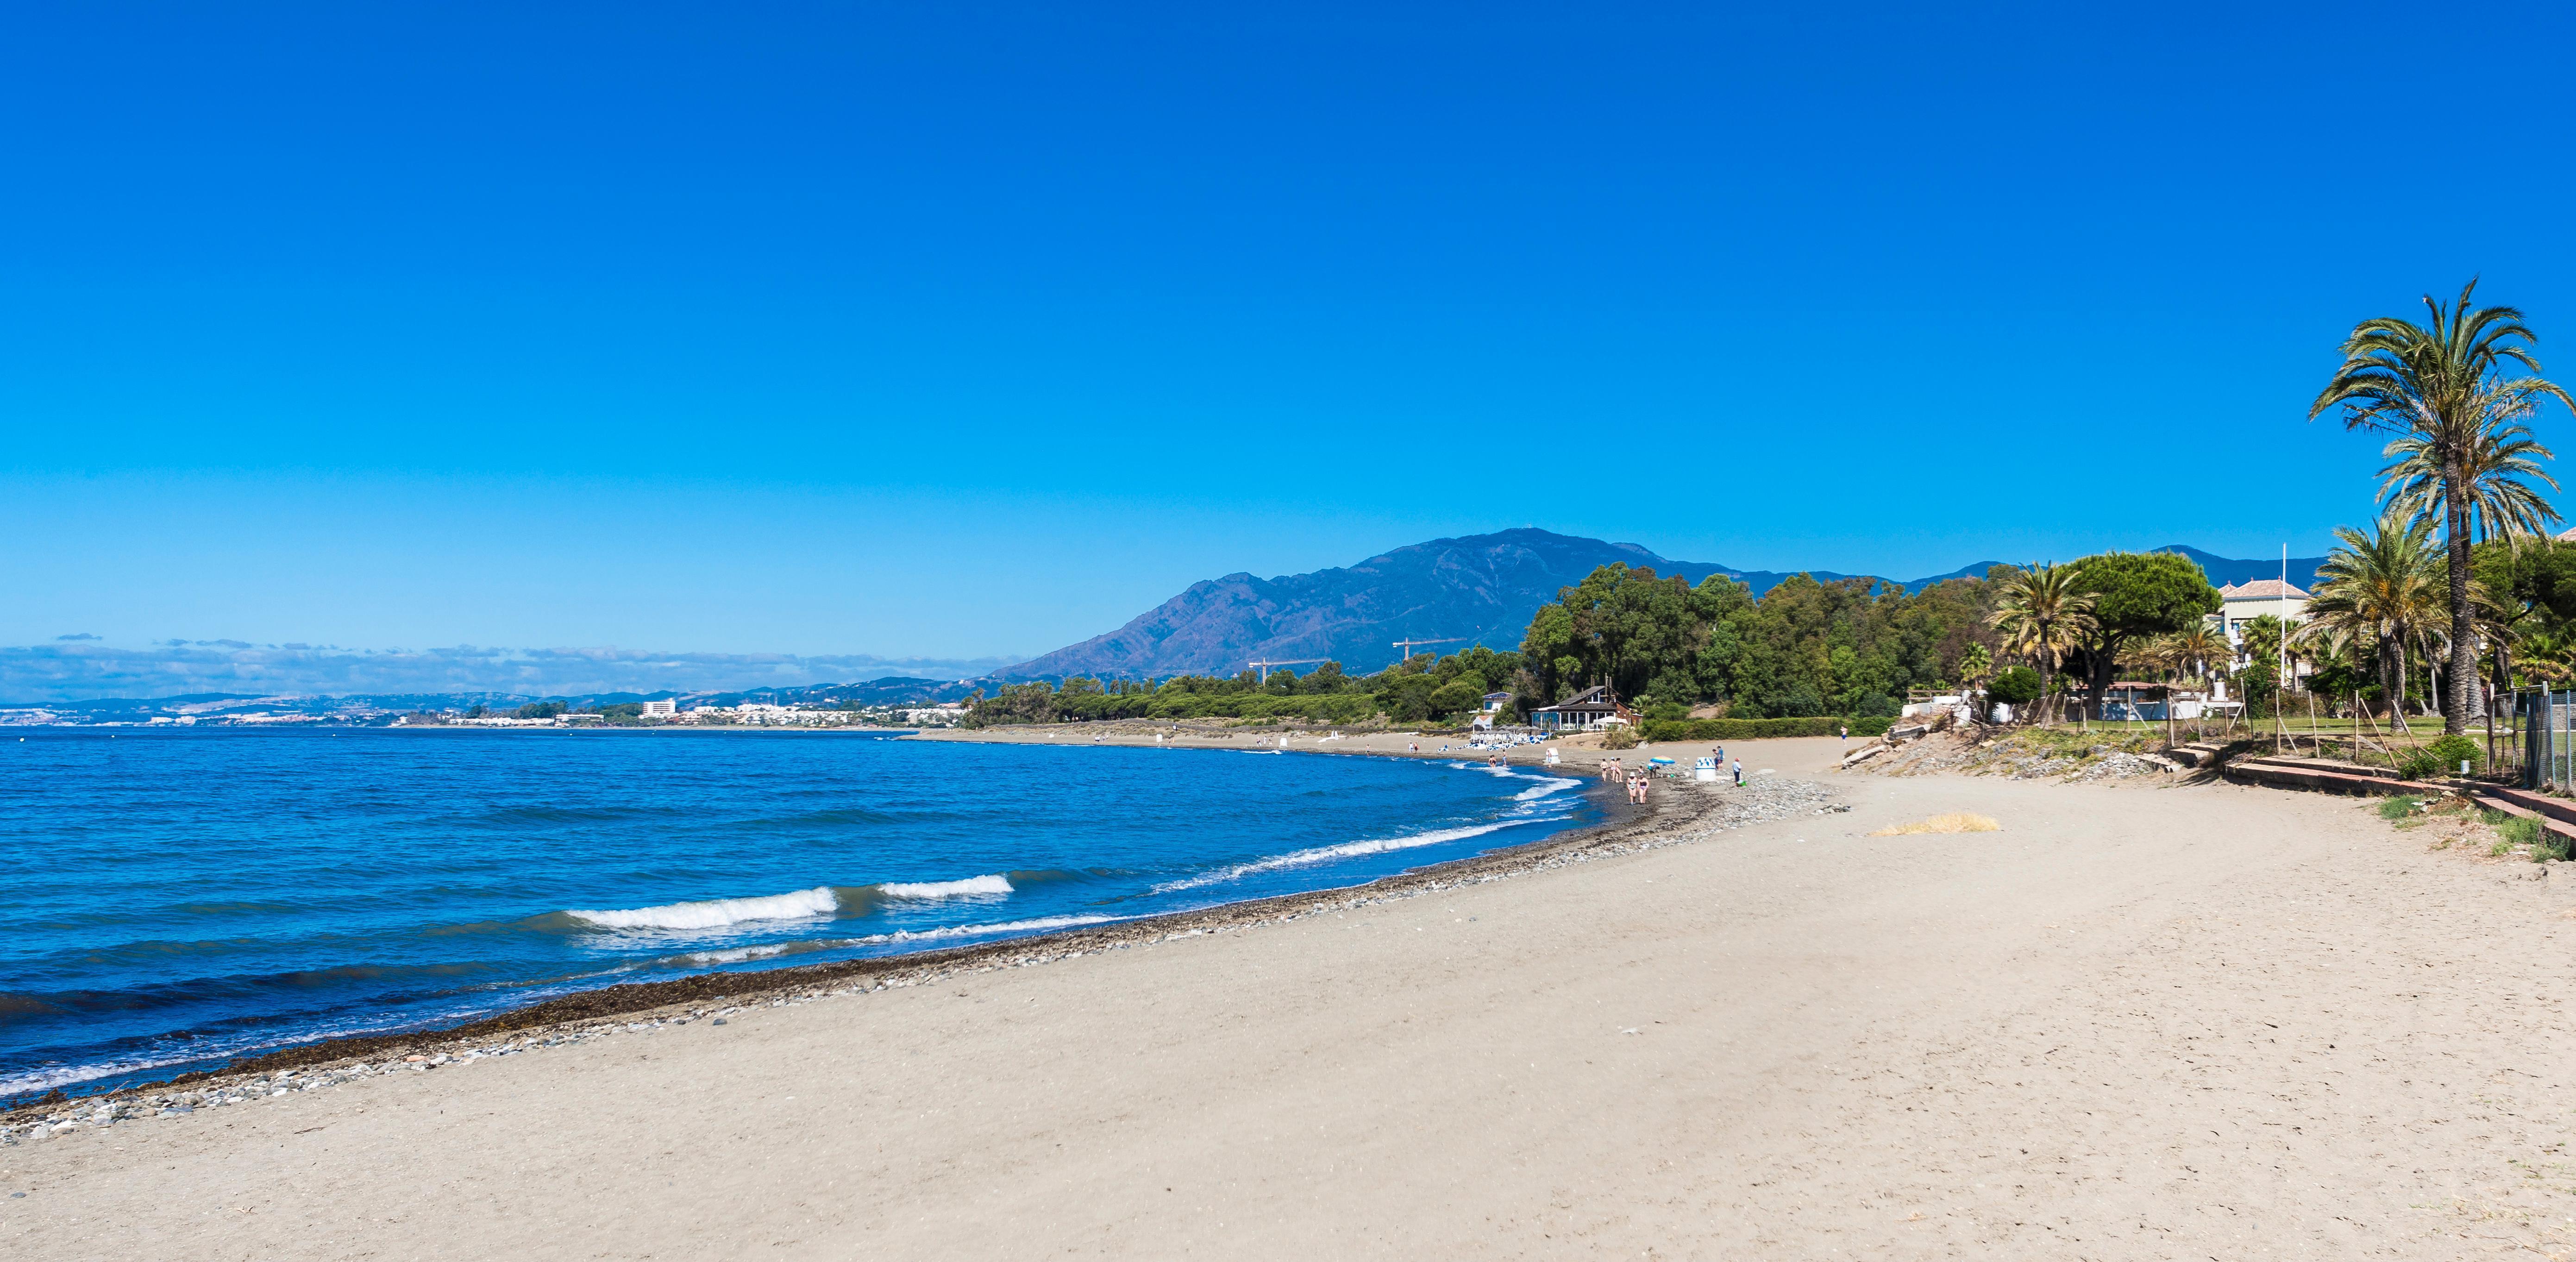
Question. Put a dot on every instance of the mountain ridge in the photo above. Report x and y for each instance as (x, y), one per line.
(1458, 591)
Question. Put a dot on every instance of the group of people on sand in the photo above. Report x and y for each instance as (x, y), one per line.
(1611, 769)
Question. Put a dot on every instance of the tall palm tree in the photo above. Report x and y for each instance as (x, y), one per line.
(2044, 613)
(2442, 384)
(2497, 467)
(2382, 588)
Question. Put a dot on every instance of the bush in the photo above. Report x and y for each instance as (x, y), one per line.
(2545, 846)
(2259, 683)
(2014, 686)
(2420, 765)
(1758, 729)
(2450, 751)
(1619, 737)
(1875, 705)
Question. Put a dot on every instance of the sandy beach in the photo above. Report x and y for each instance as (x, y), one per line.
(2185, 1021)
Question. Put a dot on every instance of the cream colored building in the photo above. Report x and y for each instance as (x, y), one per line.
(2262, 598)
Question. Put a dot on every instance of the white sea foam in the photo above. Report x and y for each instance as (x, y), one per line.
(1528, 809)
(1326, 854)
(976, 931)
(1551, 784)
(946, 889)
(716, 913)
(737, 955)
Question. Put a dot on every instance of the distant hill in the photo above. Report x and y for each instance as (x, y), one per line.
(2227, 573)
(1478, 589)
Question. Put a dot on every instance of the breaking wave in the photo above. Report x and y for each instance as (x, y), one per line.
(945, 889)
(716, 913)
(822, 900)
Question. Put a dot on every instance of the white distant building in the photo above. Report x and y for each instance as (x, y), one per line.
(661, 709)
(2241, 603)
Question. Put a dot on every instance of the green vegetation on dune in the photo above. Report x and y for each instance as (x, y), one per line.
(1424, 689)
(1803, 650)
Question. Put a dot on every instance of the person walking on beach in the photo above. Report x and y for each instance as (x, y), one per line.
(1846, 729)
(1739, 773)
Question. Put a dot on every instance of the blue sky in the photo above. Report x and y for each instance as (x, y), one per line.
(834, 330)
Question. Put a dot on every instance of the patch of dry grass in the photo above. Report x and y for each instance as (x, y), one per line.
(1953, 822)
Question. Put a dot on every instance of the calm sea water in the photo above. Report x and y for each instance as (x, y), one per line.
(170, 899)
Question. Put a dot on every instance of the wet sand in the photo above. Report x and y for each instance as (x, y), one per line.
(2199, 1021)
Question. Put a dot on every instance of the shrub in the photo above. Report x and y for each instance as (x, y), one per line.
(1875, 705)
(2259, 682)
(2450, 751)
(2015, 686)
(1620, 737)
(2420, 765)
(2545, 846)
(2400, 808)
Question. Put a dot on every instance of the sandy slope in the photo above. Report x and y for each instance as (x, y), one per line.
(2140, 1023)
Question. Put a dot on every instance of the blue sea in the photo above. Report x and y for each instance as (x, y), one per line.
(171, 899)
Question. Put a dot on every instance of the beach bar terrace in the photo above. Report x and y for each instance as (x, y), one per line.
(1586, 711)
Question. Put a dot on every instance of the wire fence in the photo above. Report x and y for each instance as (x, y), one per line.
(2530, 740)
(2547, 744)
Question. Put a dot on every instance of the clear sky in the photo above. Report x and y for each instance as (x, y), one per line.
(968, 331)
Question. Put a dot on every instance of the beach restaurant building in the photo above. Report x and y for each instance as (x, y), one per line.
(1591, 709)
(2240, 603)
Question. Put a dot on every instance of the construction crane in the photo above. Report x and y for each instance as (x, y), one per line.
(1264, 667)
(1408, 645)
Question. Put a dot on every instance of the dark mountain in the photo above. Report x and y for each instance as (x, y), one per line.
(1480, 589)
(2225, 572)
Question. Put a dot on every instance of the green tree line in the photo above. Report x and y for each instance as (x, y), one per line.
(1426, 688)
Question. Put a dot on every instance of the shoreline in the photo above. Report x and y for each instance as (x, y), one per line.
(2125, 1024)
(1673, 808)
